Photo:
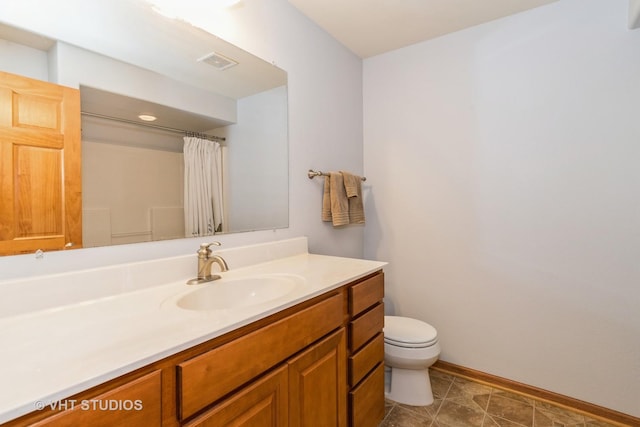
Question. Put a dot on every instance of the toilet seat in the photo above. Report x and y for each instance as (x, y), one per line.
(408, 333)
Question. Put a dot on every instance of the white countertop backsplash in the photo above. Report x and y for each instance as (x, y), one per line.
(54, 290)
(64, 333)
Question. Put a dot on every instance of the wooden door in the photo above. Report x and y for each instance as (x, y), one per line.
(40, 172)
(318, 384)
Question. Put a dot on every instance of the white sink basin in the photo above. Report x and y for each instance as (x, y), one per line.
(240, 292)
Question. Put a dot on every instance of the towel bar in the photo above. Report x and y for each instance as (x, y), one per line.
(312, 174)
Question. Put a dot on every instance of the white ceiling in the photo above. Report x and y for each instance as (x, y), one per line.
(372, 27)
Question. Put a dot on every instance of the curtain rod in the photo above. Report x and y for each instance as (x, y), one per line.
(132, 122)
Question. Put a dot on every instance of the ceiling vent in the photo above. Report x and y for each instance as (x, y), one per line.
(217, 60)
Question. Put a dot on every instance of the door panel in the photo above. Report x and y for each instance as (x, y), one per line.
(40, 173)
(317, 384)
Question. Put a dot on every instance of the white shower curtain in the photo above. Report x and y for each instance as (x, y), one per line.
(202, 187)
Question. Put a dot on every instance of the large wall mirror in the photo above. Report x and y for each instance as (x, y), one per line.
(194, 84)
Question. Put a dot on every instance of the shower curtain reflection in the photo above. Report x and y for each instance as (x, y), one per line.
(203, 201)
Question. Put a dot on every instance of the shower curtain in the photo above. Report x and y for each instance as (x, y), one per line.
(202, 187)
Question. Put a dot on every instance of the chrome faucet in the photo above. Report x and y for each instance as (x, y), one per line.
(205, 259)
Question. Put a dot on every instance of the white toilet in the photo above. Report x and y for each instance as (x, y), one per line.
(410, 347)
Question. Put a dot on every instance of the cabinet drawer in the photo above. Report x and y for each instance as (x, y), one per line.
(366, 359)
(366, 294)
(136, 403)
(208, 377)
(366, 327)
(367, 400)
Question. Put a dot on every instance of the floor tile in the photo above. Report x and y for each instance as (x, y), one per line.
(423, 411)
(402, 417)
(460, 402)
(489, 422)
(468, 393)
(597, 423)
(452, 414)
(512, 410)
(482, 400)
(440, 384)
(503, 422)
(514, 396)
(550, 415)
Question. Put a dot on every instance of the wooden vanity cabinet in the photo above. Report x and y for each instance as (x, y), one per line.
(319, 363)
(366, 351)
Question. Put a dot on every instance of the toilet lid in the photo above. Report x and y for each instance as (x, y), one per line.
(408, 332)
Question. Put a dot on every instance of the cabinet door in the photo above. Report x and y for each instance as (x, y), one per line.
(261, 404)
(135, 404)
(40, 178)
(317, 384)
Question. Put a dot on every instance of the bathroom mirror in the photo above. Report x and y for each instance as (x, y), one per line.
(128, 60)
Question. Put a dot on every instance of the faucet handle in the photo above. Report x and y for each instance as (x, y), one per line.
(204, 251)
(206, 245)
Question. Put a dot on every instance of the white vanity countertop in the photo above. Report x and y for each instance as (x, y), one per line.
(51, 354)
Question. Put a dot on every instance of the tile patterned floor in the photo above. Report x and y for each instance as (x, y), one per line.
(463, 403)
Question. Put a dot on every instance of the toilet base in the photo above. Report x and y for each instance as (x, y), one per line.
(410, 387)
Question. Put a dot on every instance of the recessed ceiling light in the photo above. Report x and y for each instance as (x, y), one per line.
(147, 117)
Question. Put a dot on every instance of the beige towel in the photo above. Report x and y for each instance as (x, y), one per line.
(353, 190)
(326, 200)
(351, 183)
(335, 204)
(339, 200)
(342, 199)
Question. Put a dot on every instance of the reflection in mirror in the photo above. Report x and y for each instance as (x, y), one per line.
(133, 171)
